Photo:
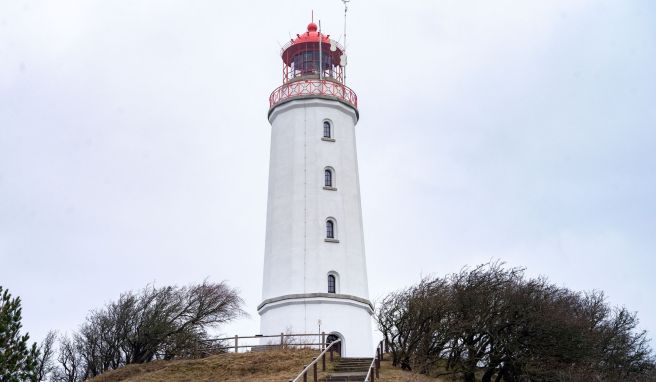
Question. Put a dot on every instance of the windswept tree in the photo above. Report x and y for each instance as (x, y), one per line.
(154, 323)
(18, 360)
(491, 323)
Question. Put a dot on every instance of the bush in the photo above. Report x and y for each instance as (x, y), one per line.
(156, 323)
(491, 323)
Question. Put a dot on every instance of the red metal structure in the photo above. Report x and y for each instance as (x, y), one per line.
(312, 67)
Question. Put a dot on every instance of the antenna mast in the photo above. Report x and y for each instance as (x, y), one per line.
(344, 53)
(320, 69)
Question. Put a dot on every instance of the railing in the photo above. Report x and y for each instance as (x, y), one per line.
(283, 340)
(313, 87)
(313, 364)
(374, 369)
(332, 42)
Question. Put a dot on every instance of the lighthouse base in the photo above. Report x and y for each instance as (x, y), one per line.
(347, 317)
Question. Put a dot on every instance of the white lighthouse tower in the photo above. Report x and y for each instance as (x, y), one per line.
(314, 262)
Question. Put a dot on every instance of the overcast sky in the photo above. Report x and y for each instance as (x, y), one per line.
(134, 144)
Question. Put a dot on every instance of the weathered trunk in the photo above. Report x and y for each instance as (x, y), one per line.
(508, 376)
(405, 364)
(489, 373)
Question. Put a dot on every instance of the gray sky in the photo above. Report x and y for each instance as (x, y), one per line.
(134, 143)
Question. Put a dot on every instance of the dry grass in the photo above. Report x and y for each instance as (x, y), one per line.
(267, 366)
(394, 374)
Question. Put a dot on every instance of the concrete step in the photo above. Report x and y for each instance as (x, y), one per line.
(349, 370)
(356, 359)
(359, 370)
(364, 364)
(346, 377)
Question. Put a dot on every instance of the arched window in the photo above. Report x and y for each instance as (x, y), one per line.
(330, 229)
(331, 284)
(326, 130)
(328, 178)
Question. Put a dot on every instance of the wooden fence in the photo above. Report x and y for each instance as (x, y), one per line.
(260, 342)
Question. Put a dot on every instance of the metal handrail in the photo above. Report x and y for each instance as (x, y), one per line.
(375, 364)
(332, 42)
(307, 368)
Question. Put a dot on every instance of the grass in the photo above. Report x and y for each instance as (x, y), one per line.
(278, 365)
(388, 373)
(267, 366)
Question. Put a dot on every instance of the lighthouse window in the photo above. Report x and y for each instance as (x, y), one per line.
(330, 229)
(331, 284)
(326, 129)
(309, 63)
(328, 175)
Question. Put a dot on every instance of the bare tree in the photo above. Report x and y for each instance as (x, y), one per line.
(71, 365)
(45, 359)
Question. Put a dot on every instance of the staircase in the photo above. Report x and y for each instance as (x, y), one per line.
(349, 370)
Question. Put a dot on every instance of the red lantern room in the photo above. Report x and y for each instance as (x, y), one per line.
(313, 66)
(301, 56)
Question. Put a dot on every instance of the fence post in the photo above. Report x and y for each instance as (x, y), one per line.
(323, 362)
(314, 372)
(304, 373)
(372, 375)
(331, 354)
(377, 367)
(323, 340)
(282, 339)
(236, 343)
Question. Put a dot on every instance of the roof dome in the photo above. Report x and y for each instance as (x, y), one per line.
(311, 35)
(308, 41)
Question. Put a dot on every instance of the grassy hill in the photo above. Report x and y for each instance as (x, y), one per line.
(269, 366)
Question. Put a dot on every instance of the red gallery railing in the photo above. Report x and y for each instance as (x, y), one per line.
(334, 43)
(313, 87)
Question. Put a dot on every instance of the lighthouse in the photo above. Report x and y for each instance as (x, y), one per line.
(315, 273)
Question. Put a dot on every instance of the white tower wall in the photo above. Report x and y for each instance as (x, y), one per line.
(298, 258)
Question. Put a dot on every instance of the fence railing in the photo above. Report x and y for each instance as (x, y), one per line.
(261, 342)
(313, 87)
(313, 365)
(374, 368)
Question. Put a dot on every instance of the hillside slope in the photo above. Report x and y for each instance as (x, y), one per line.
(269, 366)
